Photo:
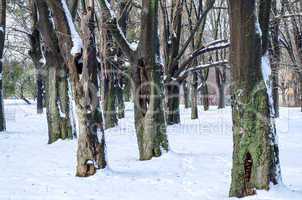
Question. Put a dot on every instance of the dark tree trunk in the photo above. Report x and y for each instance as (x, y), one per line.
(57, 101)
(36, 56)
(204, 89)
(186, 91)
(172, 92)
(255, 153)
(220, 80)
(172, 49)
(275, 56)
(2, 40)
(194, 85)
(109, 74)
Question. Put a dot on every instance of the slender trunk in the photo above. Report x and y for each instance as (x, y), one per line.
(109, 73)
(36, 56)
(2, 40)
(275, 56)
(40, 92)
(186, 91)
(205, 96)
(194, 85)
(255, 153)
(220, 81)
(120, 98)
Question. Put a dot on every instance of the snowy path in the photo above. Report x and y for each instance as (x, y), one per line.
(198, 167)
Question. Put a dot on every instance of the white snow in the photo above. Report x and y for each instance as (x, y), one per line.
(1, 29)
(266, 74)
(76, 39)
(197, 167)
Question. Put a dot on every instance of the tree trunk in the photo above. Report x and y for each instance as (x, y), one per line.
(186, 91)
(255, 153)
(172, 95)
(220, 80)
(91, 151)
(194, 108)
(2, 40)
(148, 83)
(148, 96)
(204, 89)
(109, 73)
(120, 98)
(275, 56)
(36, 55)
(57, 101)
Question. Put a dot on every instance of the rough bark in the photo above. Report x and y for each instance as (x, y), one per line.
(255, 153)
(148, 83)
(91, 149)
(149, 112)
(275, 55)
(109, 74)
(36, 55)
(2, 40)
(173, 37)
(57, 101)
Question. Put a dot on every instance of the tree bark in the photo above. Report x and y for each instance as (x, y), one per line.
(220, 80)
(57, 101)
(204, 89)
(255, 153)
(109, 74)
(186, 91)
(149, 114)
(2, 40)
(275, 55)
(91, 149)
(194, 108)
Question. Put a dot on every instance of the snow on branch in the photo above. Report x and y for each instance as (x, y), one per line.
(127, 48)
(183, 74)
(212, 46)
(76, 39)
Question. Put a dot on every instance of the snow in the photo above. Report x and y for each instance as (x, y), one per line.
(197, 167)
(1, 29)
(76, 39)
(266, 74)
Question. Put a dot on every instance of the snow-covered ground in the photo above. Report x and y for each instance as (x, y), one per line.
(198, 166)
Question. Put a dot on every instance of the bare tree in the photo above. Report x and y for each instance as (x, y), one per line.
(2, 40)
(255, 153)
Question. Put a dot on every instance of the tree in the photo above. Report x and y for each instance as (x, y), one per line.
(109, 73)
(57, 99)
(149, 117)
(91, 149)
(37, 57)
(255, 153)
(2, 40)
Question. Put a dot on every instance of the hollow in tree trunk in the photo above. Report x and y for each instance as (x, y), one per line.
(255, 153)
